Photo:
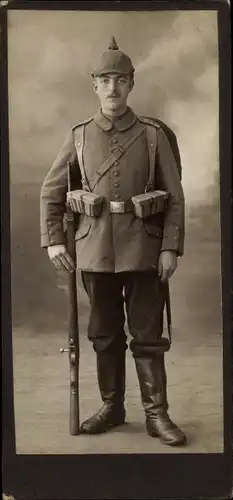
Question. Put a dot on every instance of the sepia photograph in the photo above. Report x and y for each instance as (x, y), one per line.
(116, 249)
(116, 284)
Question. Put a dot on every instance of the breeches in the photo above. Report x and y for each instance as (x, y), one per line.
(141, 296)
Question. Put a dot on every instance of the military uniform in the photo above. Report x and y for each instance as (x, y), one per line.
(118, 253)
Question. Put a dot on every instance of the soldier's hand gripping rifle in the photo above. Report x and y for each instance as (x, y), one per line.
(73, 349)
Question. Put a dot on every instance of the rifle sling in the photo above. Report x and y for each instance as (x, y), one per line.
(168, 311)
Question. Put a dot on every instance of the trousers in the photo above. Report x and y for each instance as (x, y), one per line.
(137, 297)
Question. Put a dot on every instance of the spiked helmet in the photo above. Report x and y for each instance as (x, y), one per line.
(113, 61)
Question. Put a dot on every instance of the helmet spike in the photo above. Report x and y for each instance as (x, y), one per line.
(113, 44)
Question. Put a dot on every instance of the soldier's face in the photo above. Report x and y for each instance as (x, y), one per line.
(113, 90)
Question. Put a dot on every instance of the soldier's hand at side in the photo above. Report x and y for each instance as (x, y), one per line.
(61, 258)
(167, 264)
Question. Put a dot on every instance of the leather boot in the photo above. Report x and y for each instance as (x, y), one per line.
(111, 380)
(153, 386)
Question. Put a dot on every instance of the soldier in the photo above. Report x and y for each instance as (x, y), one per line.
(129, 251)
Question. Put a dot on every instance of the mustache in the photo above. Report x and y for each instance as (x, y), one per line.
(113, 95)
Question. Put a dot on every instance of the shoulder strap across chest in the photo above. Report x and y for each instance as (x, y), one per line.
(79, 139)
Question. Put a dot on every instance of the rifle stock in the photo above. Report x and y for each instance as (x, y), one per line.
(73, 354)
(73, 327)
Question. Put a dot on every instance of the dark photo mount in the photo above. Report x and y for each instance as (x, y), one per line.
(132, 475)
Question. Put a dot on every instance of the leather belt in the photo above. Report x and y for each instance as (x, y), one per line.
(120, 207)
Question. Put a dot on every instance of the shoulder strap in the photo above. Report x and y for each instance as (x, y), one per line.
(151, 136)
(82, 122)
(79, 140)
(150, 121)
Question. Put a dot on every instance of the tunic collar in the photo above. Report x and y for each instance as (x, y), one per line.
(124, 122)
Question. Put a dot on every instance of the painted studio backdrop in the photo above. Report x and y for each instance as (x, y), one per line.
(175, 55)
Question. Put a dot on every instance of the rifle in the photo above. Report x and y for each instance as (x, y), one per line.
(168, 311)
(73, 349)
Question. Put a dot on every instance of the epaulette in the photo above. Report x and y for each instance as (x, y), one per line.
(149, 120)
(83, 122)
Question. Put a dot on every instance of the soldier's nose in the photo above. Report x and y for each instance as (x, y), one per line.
(112, 85)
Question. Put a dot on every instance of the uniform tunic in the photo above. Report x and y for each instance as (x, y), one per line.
(115, 242)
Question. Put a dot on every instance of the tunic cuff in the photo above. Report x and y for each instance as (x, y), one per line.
(172, 240)
(47, 241)
(54, 235)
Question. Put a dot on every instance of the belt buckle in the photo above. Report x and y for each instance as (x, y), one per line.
(117, 207)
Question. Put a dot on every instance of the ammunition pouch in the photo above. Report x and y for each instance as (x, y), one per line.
(84, 202)
(143, 205)
(150, 203)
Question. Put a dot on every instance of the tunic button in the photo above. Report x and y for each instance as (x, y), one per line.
(114, 141)
(116, 173)
(116, 184)
(117, 196)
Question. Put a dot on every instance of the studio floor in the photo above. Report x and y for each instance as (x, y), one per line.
(194, 370)
(42, 400)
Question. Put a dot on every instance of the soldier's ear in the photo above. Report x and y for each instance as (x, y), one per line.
(95, 84)
(131, 85)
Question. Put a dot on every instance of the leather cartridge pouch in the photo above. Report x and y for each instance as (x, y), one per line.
(159, 201)
(74, 199)
(84, 202)
(142, 205)
(93, 204)
(149, 203)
